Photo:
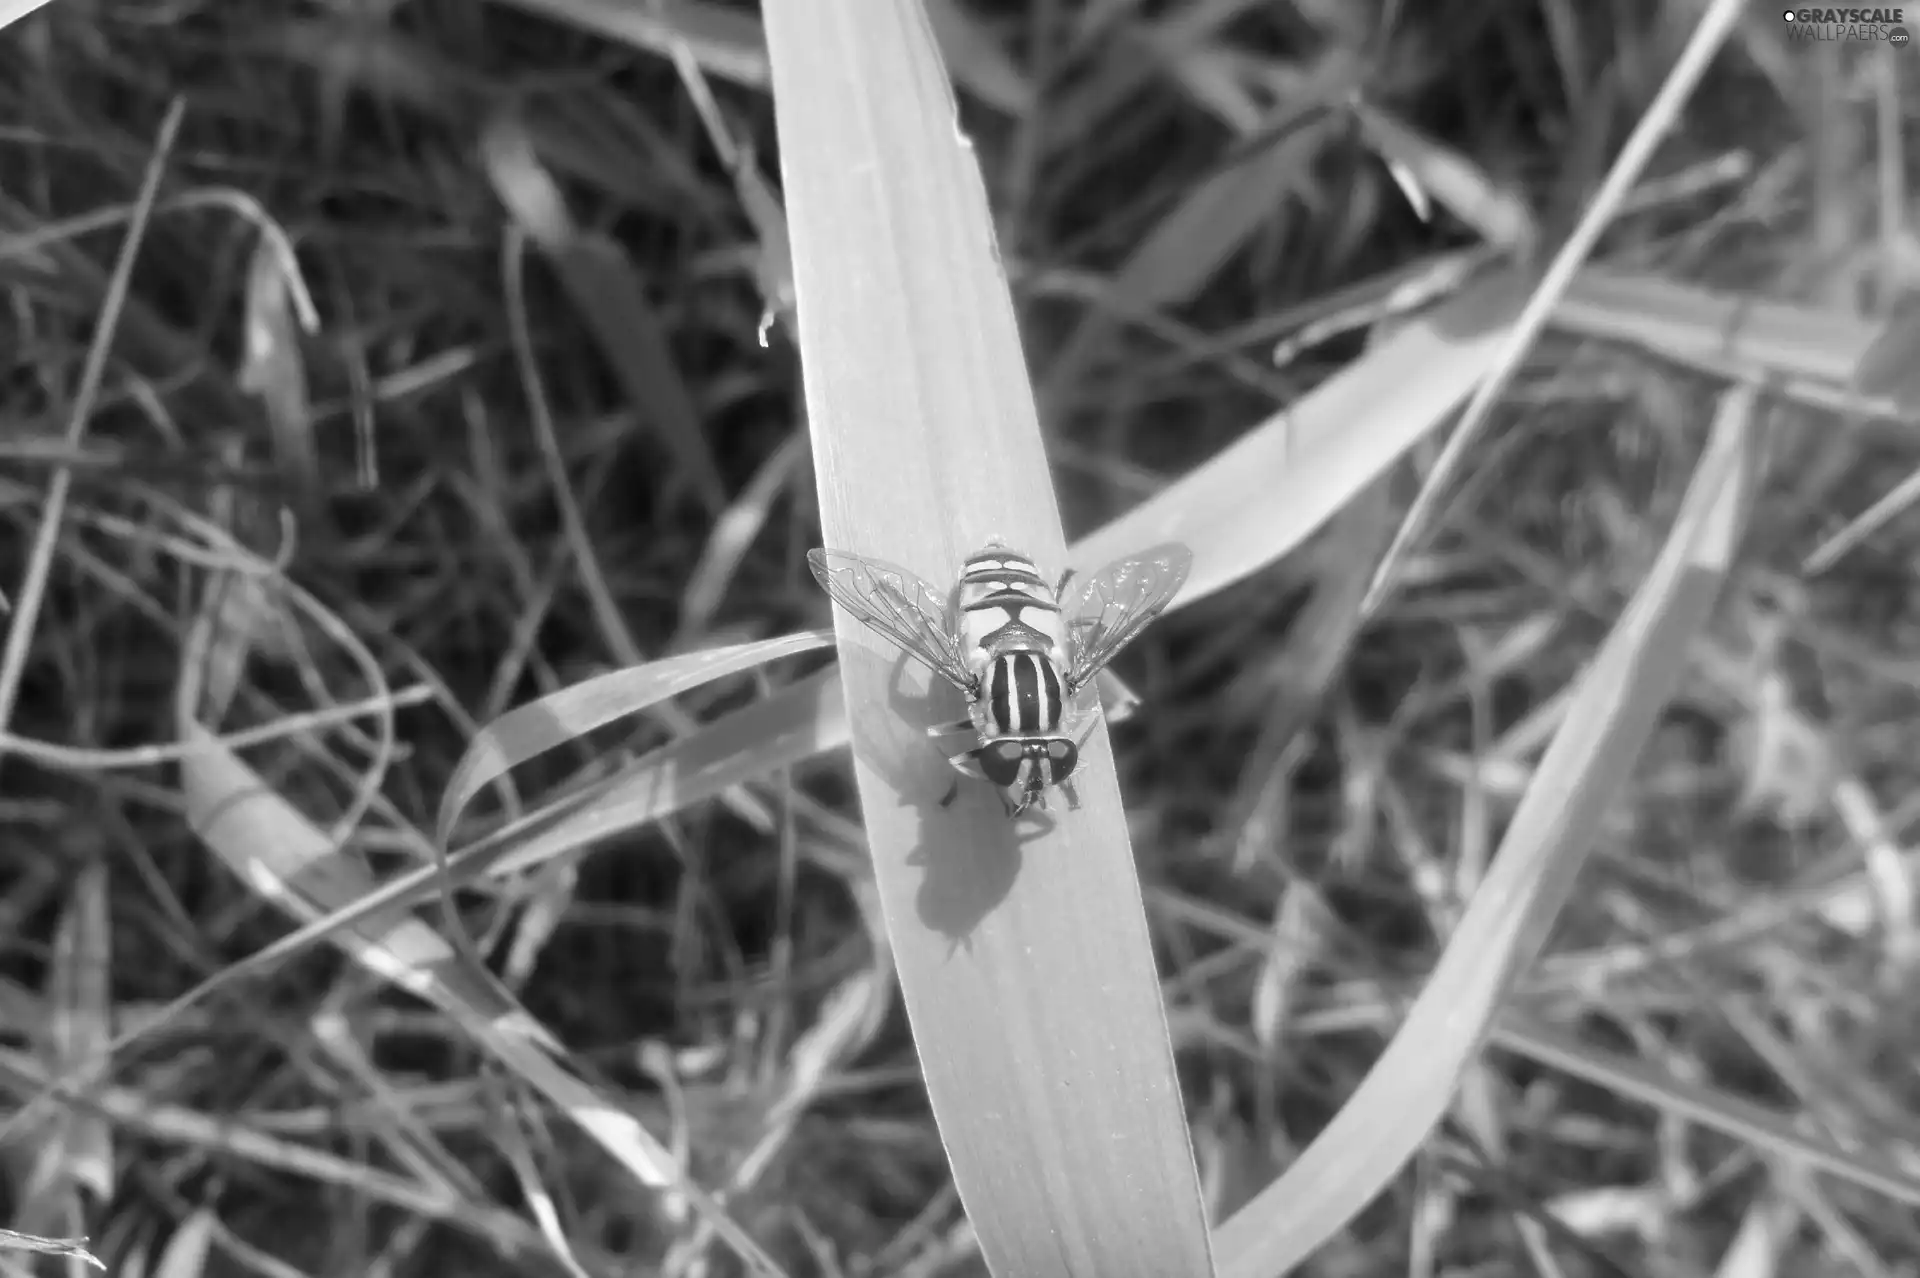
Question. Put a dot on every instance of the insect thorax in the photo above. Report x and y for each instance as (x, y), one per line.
(1001, 619)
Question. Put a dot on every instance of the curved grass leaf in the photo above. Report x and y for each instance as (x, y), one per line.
(799, 721)
(281, 855)
(1266, 493)
(284, 858)
(1618, 701)
(559, 717)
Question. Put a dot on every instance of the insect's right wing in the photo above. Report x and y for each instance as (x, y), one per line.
(1108, 609)
(893, 602)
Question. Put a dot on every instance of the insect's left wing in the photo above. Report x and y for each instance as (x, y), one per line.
(1107, 610)
(894, 602)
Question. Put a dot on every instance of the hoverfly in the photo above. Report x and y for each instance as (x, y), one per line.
(1020, 649)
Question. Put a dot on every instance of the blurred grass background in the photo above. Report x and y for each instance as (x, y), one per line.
(1304, 837)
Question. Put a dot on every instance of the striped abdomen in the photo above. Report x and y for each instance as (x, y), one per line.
(1024, 695)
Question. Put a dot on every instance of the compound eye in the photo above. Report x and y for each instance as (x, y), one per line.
(1001, 762)
(1064, 755)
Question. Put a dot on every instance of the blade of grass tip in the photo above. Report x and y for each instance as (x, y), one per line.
(82, 1028)
(1619, 697)
(1022, 952)
(773, 263)
(1265, 494)
(1424, 168)
(1203, 230)
(33, 585)
(733, 534)
(272, 369)
(12, 1240)
(794, 724)
(601, 282)
(1711, 32)
(559, 717)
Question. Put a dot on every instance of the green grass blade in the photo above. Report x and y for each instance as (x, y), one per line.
(1023, 957)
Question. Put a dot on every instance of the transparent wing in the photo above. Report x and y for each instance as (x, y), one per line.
(1110, 608)
(893, 602)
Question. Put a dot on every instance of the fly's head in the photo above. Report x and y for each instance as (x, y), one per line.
(1025, 768)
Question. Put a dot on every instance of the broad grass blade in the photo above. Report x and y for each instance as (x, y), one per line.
(1022, 950)
(1620, 697)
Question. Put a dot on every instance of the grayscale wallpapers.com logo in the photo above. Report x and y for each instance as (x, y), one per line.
(1849, 24)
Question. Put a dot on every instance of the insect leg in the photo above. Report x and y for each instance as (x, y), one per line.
(948, 729)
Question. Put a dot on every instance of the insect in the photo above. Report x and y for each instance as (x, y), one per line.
(1020, 649)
